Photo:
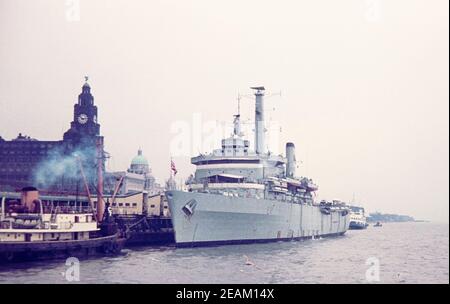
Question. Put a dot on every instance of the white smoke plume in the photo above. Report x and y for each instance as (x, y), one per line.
(60, 170)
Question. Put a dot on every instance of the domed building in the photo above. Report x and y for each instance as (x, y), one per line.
(137, 178)
(139, 165)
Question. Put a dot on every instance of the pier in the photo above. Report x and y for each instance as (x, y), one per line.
(146, 230)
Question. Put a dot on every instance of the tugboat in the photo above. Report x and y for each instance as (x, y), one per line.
(32, 230)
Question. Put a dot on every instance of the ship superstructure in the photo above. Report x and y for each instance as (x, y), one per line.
(242, 195)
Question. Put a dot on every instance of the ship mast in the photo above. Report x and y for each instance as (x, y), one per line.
(260, 128)
(237, 120)
(100, 157)
(86, 185)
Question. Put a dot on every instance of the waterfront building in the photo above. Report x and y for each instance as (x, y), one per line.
(138, 178)
(22, 159)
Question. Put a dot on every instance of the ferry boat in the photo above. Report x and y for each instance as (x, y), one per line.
(32, 229)
(357, 218)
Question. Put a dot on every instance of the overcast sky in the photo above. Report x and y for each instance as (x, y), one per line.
(364, 84)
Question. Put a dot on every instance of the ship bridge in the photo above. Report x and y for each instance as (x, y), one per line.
(251, 167)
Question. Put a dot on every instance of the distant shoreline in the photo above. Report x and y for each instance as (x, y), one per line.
(412, 221)
(388, 218)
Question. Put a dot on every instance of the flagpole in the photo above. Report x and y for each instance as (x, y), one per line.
(171, 171)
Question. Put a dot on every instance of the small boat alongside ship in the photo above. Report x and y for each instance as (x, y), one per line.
(31, 229)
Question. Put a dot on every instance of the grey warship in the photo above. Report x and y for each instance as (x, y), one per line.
(239, 195)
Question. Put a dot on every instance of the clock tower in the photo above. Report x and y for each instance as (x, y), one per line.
(83, 139)
(84, 124)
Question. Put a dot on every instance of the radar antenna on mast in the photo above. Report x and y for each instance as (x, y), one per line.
(261, 88)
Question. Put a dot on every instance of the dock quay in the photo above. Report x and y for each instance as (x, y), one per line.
(142, 219)
(146, 230)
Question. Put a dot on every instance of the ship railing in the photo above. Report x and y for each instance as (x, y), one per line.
(84, 210)
(67, 210)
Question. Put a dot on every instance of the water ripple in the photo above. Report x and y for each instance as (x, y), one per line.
(407, 252)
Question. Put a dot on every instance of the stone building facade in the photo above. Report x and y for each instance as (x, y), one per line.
(25, 161)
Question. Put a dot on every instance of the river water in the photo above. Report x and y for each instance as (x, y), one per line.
(394, 253)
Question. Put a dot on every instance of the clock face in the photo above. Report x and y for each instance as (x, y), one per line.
(82, 119)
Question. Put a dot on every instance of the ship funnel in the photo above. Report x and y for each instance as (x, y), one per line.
(260, 128)
(28, 197)
(291, 162)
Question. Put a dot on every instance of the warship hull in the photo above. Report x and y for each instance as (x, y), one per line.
(202, 219)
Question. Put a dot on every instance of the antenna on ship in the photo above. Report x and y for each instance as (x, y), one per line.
(239, 104)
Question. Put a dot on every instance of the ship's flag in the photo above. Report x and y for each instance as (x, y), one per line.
(173, 168)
